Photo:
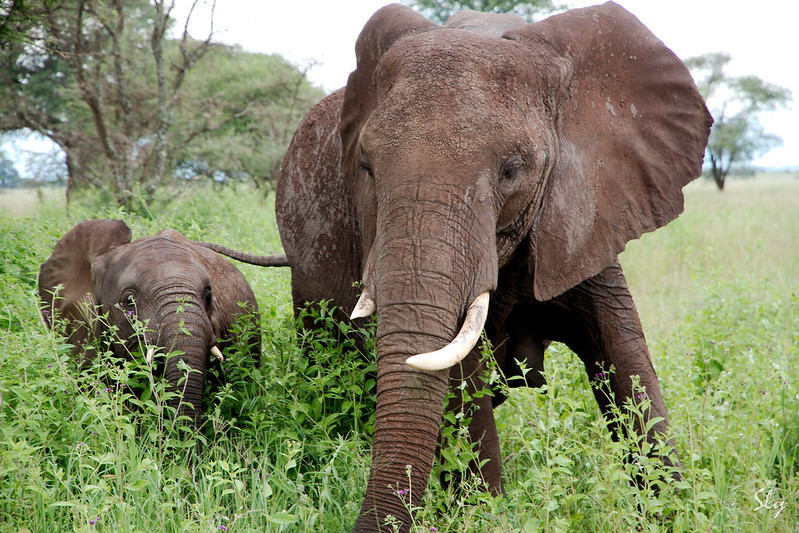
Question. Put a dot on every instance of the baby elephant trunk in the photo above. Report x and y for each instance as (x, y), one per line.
(188, 339)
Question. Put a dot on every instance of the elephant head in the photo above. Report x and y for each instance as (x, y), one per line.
(187, 296)
(488, 160)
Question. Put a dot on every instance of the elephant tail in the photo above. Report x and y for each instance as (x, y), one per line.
(258, 260)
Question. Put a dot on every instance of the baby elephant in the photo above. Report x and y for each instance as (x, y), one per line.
(187, 295)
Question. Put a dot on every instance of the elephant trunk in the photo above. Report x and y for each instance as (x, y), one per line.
(423, 283)
(187, 333)
(408, 414)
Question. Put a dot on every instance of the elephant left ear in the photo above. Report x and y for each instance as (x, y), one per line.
(632, 129)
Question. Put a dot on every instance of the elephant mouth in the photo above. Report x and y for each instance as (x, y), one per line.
(452, 353)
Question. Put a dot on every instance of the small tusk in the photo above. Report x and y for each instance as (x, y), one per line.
(461, 345)
(218, 354)
(365, 306)
(150, 355)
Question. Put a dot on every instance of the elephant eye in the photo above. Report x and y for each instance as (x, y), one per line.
(368, 169)
(127, 302)
(208, 297)
(511, 167)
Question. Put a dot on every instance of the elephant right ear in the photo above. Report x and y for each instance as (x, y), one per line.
(387, 26)
(70, 266)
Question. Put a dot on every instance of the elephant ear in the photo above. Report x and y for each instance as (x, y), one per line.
(632, 129)
(70, 266)
(387, 26)
(230, 290)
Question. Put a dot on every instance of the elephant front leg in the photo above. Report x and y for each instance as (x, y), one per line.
(606, 333)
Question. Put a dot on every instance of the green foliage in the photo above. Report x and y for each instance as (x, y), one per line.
(440, 11)
(248, 106)
(735, 103)
(132, 109)
(285, 445)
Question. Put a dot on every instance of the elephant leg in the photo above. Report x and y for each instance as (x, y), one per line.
(477, 407)
(605, 332)
(525, 345)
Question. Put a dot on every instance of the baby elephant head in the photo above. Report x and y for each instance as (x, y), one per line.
(187, 296)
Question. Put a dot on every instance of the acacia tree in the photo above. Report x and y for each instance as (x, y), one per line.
(440, 10)
(735, 103)
(240, 110)
(96, 78)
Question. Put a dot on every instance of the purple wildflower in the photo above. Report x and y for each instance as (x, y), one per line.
(93, 521)
(222, 528)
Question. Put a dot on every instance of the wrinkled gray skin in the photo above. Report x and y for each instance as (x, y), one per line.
(187, 295)
(483, 158)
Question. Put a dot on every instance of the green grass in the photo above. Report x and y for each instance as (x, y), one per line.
(286, 446)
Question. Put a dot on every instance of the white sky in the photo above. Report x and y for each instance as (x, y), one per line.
(761, 37)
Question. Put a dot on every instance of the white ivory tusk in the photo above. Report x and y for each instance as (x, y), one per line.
(150, 355)
(216, 352)
(461, 345)
(365, 306)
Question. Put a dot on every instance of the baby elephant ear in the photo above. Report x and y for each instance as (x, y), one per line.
(632, 129)
(70, 266)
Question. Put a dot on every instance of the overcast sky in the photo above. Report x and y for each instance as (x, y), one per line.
(761, 37)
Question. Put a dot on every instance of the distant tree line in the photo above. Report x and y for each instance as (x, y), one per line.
(736, 103)
(9, 176)
(135, 106)
(440, 10)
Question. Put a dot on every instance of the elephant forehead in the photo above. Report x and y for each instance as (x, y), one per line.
(453, 91)
(474, 68)
(154, 260)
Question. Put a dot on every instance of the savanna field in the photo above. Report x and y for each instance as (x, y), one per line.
(285, 446)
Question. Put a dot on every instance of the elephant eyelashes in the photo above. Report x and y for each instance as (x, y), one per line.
(511, 167)
(365, 167)
(127, 303)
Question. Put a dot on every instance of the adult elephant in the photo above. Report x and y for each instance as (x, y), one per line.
(488, 160)
(187, 295)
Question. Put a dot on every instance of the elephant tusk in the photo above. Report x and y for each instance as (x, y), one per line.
(461, 345)
(216, 352)
(364, 307)
(149, 356)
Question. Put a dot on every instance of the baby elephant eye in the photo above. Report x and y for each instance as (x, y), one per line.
(128, 301)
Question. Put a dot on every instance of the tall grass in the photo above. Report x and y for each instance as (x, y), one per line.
(286, 446)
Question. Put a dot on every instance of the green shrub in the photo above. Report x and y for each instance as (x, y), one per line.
(285, 445)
